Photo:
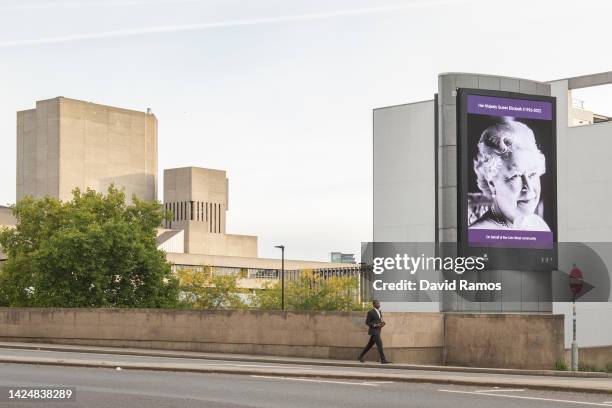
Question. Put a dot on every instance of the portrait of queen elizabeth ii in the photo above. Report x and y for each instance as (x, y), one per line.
(508, 166)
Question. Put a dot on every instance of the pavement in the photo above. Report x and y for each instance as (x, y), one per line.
(209, 363)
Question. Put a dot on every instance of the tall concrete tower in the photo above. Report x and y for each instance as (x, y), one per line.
(198, 195)
(198, 200)
(66, 143)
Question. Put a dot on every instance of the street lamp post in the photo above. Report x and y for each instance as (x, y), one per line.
(282, 248)
(576, 283)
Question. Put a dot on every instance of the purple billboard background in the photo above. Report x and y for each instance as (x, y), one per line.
(511, 239)
(516, 108)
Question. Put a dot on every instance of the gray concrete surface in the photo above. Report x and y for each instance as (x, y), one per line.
(134, 389)
(521, 341)
(365, 373)
(289, 360)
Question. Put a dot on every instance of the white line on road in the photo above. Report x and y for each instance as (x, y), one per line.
(249, 365)
(272, 377)
(502, 390)
(529, 398)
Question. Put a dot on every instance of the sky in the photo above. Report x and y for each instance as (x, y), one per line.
(279, 93)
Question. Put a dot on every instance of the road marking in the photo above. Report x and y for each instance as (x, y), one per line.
(250, 365)
(497, 389)
(370, 384)
(529, 398)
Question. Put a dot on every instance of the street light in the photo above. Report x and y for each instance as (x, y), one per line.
(282, 248)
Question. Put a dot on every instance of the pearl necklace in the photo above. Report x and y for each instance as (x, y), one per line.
(498, 218)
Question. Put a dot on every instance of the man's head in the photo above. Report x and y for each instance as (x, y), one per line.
(376, 304)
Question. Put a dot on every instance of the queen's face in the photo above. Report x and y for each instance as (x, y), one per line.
(516, 186)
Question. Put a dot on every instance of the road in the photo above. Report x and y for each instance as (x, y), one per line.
(98, 387)
(108, 387)
(270, 367)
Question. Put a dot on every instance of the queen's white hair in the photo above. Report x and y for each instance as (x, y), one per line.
(497, 144)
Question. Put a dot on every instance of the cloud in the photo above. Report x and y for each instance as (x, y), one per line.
(88, 4)
(224, 24)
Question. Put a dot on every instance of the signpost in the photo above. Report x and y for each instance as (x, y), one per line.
(575, 284)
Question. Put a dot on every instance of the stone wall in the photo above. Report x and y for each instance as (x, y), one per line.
(409, 337)
(485, 340)
(532, 341)
(592, 358)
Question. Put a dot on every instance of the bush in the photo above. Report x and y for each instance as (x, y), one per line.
(312, 291)
(560, 365)
(203, 290)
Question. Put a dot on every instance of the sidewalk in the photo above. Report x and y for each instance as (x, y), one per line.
(286, 366)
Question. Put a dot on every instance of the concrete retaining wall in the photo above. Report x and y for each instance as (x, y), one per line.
(592, 358)
(410, 337)
(487, 340)
(532, 341)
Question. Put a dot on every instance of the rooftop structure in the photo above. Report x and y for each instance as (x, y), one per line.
(66, 143)
(339, 257)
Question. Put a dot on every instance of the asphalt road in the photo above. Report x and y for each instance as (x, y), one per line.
(99, 387)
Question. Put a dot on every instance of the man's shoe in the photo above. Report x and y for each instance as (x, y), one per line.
(385, 362)
(361, 360)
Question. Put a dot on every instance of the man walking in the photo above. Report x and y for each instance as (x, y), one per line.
(375, 324)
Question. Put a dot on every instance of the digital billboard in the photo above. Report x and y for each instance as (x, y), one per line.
(506, 171)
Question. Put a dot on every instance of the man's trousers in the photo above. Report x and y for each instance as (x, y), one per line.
(374, 339)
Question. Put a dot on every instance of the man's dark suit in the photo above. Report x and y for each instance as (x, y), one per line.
(372, 320)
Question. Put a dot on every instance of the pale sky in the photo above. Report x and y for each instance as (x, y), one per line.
(279, 93)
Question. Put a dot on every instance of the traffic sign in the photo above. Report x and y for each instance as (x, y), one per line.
(576, 280)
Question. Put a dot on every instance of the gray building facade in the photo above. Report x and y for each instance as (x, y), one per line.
(66, 143)
(415, 183)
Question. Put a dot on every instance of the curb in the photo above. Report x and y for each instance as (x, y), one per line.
(289, 373)
(281, 360)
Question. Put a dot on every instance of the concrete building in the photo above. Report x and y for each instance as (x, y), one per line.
(340, 257)
(196, 237)
(415, 155)
(7, 218)
(66, 143)
(198, 200)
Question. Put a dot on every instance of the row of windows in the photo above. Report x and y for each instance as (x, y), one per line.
(197, 211)
(258, 273)
(253, 273)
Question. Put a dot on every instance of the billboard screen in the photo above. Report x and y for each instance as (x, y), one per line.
(507, 170)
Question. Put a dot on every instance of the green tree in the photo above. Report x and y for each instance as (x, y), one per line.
(311, 291)
(268, 298)
(203, 289)
(92, 251)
